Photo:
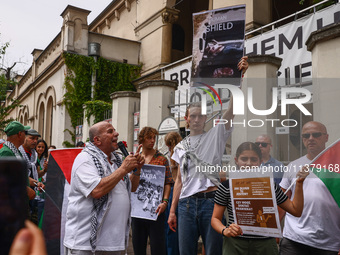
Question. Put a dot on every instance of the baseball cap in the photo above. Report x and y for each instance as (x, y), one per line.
(33, 132)
(15, 127)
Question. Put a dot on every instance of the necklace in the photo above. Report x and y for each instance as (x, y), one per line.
(188, 143)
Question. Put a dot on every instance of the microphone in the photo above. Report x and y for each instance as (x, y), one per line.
(123, 149)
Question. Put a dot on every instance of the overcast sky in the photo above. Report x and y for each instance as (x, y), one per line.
(30, 24)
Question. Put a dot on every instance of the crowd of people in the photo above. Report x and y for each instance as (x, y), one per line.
(192, 204)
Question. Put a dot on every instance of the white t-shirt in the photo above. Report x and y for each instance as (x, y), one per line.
(113, 231)
(210, 150)
(319, 224)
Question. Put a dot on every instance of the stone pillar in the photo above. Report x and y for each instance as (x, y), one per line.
(35, 53)
(74, 32)
(124, 104)
(155, 97)
(325, 47)
(261, 77)
(169, 16)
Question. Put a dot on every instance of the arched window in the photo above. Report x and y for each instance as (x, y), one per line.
(49, 120)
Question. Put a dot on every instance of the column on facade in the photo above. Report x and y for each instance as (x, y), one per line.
(169, 16)
(261, 77)
(124, 105)
(325, 47)
(74, 31)
(156, 95)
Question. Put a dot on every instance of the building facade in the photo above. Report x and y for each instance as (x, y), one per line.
(158, 35)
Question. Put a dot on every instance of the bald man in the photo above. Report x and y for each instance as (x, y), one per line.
(98, 213)
(265, 144)
(317, 230)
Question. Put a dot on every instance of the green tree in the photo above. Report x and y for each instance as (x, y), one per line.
(6, 84)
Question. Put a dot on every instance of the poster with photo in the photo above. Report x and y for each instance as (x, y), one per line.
(254, 203)
(149, 193)
(218, 43)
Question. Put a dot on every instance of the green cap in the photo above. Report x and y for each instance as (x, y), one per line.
(15, 127)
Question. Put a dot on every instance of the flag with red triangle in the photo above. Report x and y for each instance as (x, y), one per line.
(326, 166)
(57, 188)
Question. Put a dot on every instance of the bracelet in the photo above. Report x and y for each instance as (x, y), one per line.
(166, 201)
(135, 174)
(223, 230)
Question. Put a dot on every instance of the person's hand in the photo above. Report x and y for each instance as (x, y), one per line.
(302, 174)
(28, 241)
(172, 221)
(139, 157)
(233, 230)
(45, 166)
(40, 185)
(243, 64)
(129, 163)
(161, 208)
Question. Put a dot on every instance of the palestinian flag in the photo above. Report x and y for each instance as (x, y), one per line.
(326, 166)
(57, 189)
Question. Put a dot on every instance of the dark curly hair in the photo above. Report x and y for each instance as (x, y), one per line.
(146, 132)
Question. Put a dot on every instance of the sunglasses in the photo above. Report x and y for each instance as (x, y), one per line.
(315, 135)
(264, 145)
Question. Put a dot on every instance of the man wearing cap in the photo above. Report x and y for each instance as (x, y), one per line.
(16, 133)
(29, 154)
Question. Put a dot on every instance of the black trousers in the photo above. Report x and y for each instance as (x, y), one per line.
(155, 230)
(289, 247)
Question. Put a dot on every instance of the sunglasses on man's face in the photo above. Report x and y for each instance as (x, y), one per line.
(315, 135)
(264, 145)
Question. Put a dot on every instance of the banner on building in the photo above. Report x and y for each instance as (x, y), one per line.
(289, 43)
(254, 203)
(149, 194)
(218, 41)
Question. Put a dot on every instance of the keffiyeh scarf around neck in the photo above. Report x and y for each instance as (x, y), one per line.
(13, 149)
(31, 163)
(101, 162)
(190, 154)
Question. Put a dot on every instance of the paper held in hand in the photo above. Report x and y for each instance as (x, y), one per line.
(254, 203)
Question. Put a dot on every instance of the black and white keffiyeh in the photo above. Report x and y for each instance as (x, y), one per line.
(101, 162)
(13, 149)
(190, 154)
(31, 163)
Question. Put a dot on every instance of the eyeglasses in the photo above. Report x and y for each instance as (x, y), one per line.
(315, 135)
(264, 145)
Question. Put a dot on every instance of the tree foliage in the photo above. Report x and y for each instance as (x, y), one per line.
(6, 84)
